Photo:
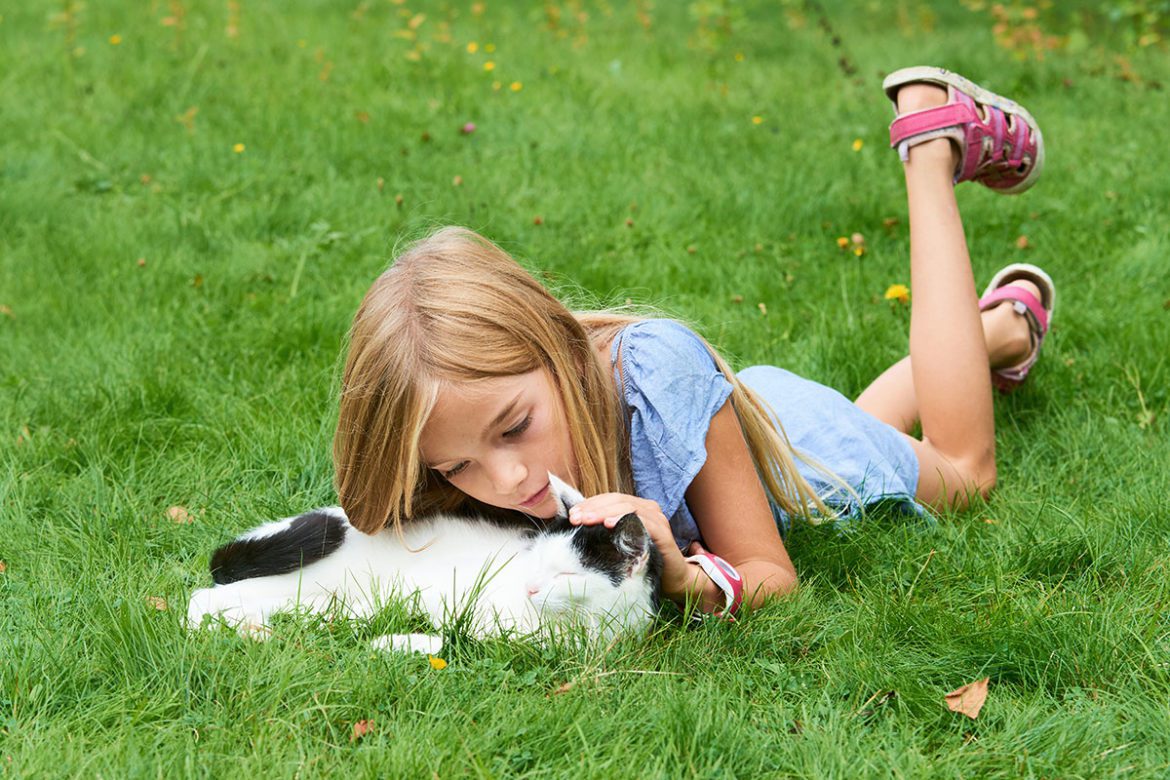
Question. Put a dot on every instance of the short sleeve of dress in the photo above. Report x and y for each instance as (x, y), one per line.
(672, 388)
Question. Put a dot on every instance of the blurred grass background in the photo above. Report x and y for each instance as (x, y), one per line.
(194, 196)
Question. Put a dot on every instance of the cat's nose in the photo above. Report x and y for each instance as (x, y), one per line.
(532, 591)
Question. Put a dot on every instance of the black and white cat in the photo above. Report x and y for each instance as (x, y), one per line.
(501, 580)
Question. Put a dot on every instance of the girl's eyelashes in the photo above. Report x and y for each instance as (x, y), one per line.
(449, 473)
(520, 428)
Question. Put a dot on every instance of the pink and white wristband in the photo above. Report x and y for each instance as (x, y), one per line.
(724, 575)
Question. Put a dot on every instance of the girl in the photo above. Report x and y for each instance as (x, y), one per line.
(467, 384)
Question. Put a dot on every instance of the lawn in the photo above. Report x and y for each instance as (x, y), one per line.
(194, 196)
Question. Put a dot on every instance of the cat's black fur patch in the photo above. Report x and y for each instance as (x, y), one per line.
(308, 538)
(613, 552)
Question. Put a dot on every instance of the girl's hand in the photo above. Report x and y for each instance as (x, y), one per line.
(679, 578)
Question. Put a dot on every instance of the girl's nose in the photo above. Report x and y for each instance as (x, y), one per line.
(508, 475)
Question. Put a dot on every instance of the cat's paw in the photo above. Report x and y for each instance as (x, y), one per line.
(408, 643)
(221, 605)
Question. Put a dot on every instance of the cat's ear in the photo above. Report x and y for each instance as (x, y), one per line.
(566, 496)
(632, 541)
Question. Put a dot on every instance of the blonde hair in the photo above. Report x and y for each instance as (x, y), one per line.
(454, 307)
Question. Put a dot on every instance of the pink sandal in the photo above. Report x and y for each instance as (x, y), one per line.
(1038, 313)
(999, 142)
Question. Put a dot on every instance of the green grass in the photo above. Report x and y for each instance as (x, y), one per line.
(207, 378)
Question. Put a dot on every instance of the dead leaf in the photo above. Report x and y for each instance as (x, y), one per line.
(158, 602)
(362, 116)
(7, 312)
(3, 567)
(691, 249)
(381, 183)
(399, 200)
(1022, 242)
(629, 222)
(763, 309)
(990, 521)
(197, 282)
(968, 699)
(360, 729)
(538, 220)
(457, 181)
(142, 262)
(180, 515)
(737, 299)
(564, 688)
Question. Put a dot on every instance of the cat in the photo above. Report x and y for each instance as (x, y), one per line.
(494, 580)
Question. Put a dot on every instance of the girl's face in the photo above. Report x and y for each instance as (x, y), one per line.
(497, 439)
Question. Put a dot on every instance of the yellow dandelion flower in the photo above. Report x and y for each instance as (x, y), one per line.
(859, 250)
(857, 144)
(516, 86)
(115, 40)
(757, 120)
(489, 47)
(238, 148)
(739, 56)
(898, 292)
(842, 242)
(436, 662)
(489, 66)
(472, 47)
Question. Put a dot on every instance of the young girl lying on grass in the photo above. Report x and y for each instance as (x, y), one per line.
(467, 383)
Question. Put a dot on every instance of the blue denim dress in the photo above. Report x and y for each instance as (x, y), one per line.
(672, 388)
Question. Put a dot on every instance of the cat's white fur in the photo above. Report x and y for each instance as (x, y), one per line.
(507, 580)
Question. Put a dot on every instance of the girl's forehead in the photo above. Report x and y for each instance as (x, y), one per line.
(476, 391)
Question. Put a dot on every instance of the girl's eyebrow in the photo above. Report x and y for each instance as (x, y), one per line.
(503, 415)
(499, 420)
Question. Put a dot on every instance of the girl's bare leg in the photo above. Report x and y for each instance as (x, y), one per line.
(891, 397)
(948, 350)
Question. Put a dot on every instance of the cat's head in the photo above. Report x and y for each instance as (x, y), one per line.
(594, 569)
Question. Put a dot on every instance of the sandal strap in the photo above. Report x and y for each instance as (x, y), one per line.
(1011, 292)
(916, 123)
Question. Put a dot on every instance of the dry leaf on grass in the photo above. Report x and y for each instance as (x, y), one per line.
(3, 567)
(158, 602)
(969, 698)
(7, 312)
(360, 729)
(564, 688)
(179, 514)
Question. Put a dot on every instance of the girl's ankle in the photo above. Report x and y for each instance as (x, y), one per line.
(916, 97)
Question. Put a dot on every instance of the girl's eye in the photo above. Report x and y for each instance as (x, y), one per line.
(449, 473)
(519, 429)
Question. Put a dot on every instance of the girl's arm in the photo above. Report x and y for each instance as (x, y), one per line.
(728, 502)
(729, 505)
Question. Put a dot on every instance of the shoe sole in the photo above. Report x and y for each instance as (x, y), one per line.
(941, 76)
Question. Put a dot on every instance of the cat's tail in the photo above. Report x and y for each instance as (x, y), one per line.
(281, 547)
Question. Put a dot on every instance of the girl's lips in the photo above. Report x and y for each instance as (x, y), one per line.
(536, 498)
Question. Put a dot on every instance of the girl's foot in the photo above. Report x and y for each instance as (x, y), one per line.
(998, 142)
(1016, 331)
